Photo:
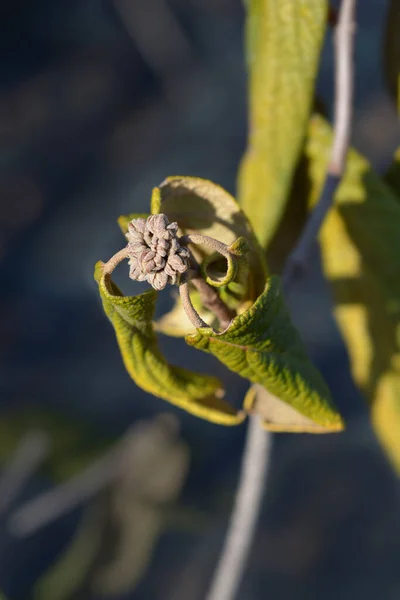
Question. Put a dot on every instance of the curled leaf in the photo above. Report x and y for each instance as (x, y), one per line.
(131, 317)
(262, 345)
(283, 39)
(201, 206)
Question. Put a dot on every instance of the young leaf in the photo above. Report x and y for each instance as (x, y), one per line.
(263, 346)
(284, 40)
(360, 244)
(131, 317)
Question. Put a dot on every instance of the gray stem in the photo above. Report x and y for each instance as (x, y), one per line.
(246, 510)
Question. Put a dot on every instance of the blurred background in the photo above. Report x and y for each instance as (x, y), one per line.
(100, 100)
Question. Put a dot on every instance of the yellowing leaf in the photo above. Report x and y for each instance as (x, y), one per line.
(284, 39)
(360, 244)
(277, 415)
(131, 317)
(263, 346)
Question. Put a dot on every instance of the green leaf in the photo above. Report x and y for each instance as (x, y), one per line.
(263, 346)
(131, 317)
(360, 244)
(284, 39)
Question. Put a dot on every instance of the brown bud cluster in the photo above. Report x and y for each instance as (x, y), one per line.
(155, 254)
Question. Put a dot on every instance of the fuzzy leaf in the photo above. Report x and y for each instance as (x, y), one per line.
(360, 244)
(263, 346)
(131, 317)
(284, 39)
(201, 206)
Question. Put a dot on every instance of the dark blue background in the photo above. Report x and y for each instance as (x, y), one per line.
(91, 118)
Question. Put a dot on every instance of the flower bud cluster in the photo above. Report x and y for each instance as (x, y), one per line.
(155, 254)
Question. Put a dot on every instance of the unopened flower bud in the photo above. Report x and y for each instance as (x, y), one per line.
(155, 254)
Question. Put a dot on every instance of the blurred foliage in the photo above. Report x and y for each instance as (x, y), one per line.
(358, 244)
(283, 45)
(114, 542)
(73, 445)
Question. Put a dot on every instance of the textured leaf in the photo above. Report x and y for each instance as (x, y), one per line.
(263, 346)
(201, 206)
(360, 243)
(131, 317)
(284, 39)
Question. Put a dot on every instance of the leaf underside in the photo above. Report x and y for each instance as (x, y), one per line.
(263, 346)
(283, 39)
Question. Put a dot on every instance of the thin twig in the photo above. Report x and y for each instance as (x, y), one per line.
(344, 70)
(188, 307)
(205, 240)
(256, 458)
(245, 513)
(208, 295)
(31, 451)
